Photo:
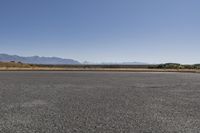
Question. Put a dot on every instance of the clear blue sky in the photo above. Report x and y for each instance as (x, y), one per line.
(153, 31)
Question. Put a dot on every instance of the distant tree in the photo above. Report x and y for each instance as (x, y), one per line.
(197, 66)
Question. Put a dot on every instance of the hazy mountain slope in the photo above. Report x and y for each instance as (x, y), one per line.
(36, 59)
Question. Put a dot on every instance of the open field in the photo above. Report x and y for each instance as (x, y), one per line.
(129, 102)
(169, 67)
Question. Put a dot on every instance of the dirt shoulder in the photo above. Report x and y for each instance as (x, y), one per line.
(98, 69)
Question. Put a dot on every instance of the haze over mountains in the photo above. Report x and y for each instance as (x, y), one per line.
(55, 60)
(37, 59)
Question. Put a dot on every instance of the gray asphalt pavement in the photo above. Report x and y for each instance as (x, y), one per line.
(99, 102)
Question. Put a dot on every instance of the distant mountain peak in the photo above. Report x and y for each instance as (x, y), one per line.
(37, 60)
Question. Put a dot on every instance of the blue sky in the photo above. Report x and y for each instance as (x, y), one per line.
(153, 31)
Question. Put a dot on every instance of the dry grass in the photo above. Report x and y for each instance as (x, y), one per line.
(13, 66)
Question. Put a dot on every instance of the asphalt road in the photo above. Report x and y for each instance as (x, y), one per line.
(99, 102)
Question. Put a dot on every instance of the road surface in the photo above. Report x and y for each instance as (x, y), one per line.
(99, 102)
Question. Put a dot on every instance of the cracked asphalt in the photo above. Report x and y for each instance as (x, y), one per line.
(99, 102)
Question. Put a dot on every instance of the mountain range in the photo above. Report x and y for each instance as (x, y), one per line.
(37, 60)
(56, 60)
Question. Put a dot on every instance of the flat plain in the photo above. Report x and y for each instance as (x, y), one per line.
(93, 102)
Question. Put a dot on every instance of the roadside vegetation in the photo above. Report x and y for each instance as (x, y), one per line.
(168, 66)
(174, 66)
